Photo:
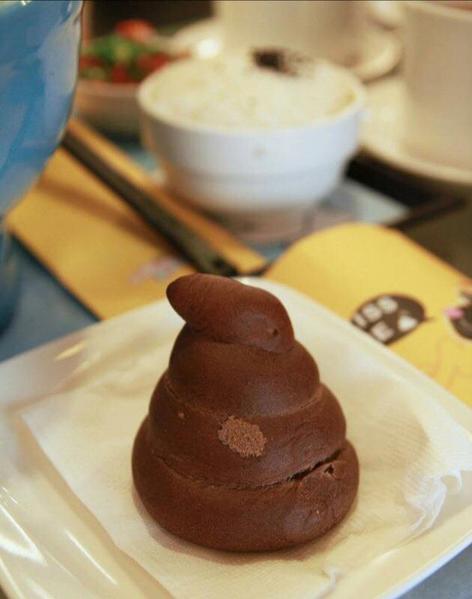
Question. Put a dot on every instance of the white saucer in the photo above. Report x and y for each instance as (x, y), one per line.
(382, 136)
(379, 54)
(49, 538)
(386, 13)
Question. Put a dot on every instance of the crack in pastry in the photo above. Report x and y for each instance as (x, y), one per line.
(296, 476)
(294, 439)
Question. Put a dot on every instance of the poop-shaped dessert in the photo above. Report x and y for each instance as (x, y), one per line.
(243, 449)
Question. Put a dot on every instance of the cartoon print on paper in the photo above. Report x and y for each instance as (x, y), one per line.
(452, 365)
(389, 317)
(460, 316)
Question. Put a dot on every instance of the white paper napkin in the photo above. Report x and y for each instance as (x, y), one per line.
(411, 454)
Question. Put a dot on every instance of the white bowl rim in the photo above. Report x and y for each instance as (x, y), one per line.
(354, 107)
(454, 13)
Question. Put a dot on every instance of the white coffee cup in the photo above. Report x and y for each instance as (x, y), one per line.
(327, 29)
(438, 82)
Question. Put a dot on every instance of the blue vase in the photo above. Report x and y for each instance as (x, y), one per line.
(39, 43)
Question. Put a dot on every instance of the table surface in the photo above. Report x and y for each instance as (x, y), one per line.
(46, 311)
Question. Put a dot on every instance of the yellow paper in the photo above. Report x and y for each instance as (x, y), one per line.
(99, 248)
(389, 286)
(112, 262)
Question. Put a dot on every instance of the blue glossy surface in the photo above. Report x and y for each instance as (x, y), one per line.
(39, 41)
(38, 69)
(9, 278)
(45, 309)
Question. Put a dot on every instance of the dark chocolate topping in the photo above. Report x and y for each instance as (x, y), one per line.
(280, 60)
(274, 59)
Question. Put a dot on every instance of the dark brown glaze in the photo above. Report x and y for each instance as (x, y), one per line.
(243, 448)
(259, 519)
(238, 379)
(294, 440)
(226, 310)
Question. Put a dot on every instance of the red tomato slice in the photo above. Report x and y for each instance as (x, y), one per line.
(149, 63)
(135, 29)
(119, 74)
(86, 62)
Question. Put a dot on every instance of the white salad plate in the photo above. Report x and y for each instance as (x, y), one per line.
(379, 53)
(384, 131)
(50, 544)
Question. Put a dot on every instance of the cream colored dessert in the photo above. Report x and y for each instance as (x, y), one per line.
(233, 92)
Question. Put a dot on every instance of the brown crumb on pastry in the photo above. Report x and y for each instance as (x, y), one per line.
(243, 437)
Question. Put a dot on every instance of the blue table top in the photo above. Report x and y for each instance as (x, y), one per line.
(46, 310)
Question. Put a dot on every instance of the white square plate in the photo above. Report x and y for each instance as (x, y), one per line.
(51, 546)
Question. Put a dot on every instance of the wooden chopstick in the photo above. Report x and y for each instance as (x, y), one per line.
(195, 249)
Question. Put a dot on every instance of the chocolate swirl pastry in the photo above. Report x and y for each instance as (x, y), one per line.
(243, 449)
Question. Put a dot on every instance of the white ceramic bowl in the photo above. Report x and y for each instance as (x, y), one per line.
(261, 182)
